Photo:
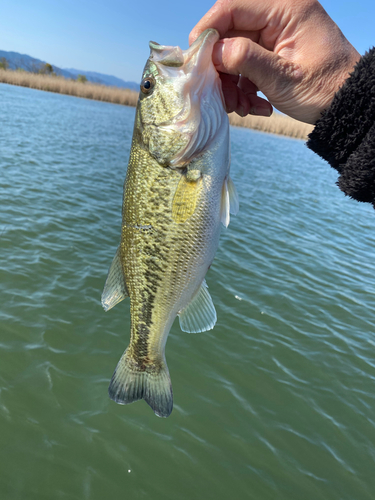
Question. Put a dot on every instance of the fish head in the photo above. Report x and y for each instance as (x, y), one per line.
(181, 106)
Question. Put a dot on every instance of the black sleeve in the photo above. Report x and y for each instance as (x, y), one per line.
(345, 135)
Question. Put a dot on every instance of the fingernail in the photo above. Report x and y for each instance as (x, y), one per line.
(241, 111)
(217, 53)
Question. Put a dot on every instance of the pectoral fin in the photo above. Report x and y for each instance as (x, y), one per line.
(185, 198)
(199, 315)
(229, 201)
(115, 288)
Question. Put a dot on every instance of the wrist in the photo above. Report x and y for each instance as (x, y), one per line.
(333, 79)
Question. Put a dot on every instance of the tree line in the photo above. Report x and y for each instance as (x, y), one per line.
(39, 69)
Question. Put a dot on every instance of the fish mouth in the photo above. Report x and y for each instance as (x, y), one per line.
(197, 56)
(197, 112)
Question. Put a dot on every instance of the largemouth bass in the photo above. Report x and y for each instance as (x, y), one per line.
(177, 193)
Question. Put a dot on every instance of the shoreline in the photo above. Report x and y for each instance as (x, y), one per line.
(276, 124)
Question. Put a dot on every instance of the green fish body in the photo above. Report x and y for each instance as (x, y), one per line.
(177, 193)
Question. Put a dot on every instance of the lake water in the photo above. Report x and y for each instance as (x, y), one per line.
(276, 403)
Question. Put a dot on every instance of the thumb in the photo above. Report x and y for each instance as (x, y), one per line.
(275, 76)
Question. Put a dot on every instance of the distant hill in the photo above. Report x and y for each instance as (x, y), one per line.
(106, 79)
(28, 63)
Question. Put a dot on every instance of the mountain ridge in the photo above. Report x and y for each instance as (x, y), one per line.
(28, 63)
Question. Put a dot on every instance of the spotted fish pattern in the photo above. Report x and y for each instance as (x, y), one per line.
(177, 193)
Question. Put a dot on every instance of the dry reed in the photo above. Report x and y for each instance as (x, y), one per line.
(70, 87)
(276, 124)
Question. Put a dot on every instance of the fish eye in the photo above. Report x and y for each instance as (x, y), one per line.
(147, 84)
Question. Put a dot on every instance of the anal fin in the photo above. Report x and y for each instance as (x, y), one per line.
(200, 314)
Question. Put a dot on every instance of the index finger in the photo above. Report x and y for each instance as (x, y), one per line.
(233, 15)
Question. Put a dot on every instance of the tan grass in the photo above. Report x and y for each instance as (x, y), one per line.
(70, 87)
(276, 124)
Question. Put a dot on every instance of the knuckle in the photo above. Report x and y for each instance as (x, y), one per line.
(237, 54)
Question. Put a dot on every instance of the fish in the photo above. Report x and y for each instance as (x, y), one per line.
(177, 195)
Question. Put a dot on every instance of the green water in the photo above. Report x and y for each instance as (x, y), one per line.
(276, 403)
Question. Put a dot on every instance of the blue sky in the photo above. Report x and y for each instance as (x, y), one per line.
(112, 36)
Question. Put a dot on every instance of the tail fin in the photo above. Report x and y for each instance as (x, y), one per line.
(152, 383)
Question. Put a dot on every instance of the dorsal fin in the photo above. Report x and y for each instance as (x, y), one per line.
(115, 288)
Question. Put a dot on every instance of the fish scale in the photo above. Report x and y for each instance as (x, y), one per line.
(175, 197)
(147, 205)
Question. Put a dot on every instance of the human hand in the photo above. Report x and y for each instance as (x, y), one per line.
(290, 50)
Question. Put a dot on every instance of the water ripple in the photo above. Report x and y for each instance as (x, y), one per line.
(276, 402)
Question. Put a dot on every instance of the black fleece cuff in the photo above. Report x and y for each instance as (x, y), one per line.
(345, 135)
